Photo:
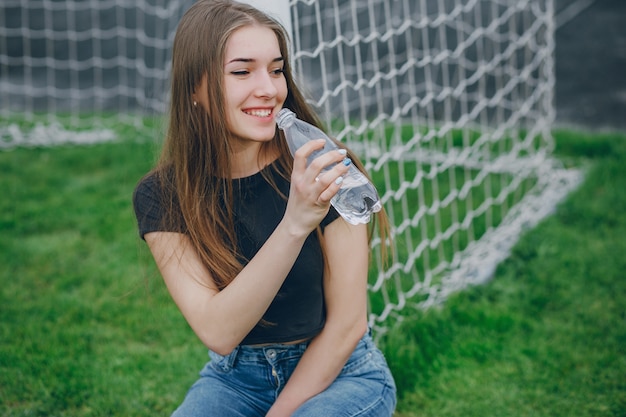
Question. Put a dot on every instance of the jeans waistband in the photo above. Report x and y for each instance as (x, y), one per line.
(275, 352)
(263, 354)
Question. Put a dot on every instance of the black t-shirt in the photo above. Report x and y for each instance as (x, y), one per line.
(297, 311)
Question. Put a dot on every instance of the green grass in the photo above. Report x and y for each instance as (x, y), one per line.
(547, 337)
(87, 328)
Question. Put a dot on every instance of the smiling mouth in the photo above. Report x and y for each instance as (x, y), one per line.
(258, 113)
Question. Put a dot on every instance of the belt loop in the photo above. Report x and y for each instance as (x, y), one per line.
(232, 356)
(367, 339)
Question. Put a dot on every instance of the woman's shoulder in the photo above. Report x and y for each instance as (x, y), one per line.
(153, 200)
(154, 183)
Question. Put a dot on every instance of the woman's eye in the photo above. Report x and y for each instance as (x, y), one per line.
(278, 71)
(240, 72)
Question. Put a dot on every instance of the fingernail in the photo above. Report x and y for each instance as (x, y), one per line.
(347, 161)
(342, 151)
(339, 180)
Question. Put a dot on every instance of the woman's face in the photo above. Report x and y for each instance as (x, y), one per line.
(254, 84)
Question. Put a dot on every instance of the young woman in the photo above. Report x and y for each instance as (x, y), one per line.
(271, 279)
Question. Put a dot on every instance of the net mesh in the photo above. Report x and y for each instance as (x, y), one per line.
(448, 103)
(80, 71)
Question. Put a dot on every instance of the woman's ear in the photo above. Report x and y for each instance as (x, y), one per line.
(199, 96)
(195, 97)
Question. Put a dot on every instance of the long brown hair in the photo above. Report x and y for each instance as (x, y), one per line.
(196, 152)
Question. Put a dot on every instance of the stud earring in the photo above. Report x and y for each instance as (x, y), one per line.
(195, 103)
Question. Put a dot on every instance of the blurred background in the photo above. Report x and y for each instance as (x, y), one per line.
(591, 64)
(590, 55)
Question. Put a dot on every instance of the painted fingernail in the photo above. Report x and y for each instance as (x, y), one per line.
(339, 180)
(342, 151)
(347, 161)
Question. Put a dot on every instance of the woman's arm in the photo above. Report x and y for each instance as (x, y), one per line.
(345, 290)
(221, 319)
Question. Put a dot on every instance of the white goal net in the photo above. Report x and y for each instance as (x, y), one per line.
(448, 102)
(82, 71)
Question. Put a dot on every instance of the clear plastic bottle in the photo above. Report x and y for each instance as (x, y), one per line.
(357, 198)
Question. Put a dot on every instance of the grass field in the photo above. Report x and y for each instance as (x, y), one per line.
(87, 328)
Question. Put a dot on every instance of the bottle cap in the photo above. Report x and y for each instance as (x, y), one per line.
(285, 118)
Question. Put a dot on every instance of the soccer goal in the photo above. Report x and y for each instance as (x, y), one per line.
(449, 104)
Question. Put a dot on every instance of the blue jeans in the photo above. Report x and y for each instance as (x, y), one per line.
(246, 383)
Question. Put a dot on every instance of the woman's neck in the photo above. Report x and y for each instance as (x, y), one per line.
(249, 161)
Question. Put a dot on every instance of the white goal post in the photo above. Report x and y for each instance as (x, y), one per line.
(449, 103)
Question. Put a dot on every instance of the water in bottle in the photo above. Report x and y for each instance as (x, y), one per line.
(357, 198)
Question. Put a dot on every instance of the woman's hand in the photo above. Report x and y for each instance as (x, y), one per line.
(312, 189)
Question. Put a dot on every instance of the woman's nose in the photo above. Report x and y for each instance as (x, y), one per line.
(266, 87)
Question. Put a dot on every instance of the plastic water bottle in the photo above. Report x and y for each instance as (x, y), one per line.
(357, 198)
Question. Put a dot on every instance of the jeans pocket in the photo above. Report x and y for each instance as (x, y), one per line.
(364, 359)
